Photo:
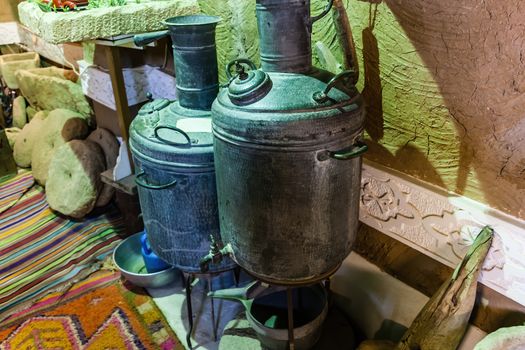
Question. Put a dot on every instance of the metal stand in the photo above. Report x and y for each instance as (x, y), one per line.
(190, 281)
(289, 295)
(289, 298)
(290, 306)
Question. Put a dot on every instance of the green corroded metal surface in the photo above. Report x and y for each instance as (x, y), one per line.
(162, 115)
(289, 116)
(172, 147)
(288, 206)
(173, 153)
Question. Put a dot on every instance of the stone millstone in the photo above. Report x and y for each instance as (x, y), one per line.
(25, 141)
(19, 112)
(12, 135)
(74, 128)
(74, 178)
(109, 144)
(59, 127)
(31, 112)
(40, 115)
(52, 88)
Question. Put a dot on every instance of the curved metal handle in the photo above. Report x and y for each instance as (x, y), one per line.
(322, 14)
(238, 62)
(354, 151)
(147, 38)
(182, 132)
(141, 183)
(322, 96)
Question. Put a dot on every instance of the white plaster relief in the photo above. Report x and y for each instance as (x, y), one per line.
(139, 81)
(9, 32)
(381, 201)
(443, 225)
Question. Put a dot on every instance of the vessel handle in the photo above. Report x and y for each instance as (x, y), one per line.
(180, 131)
(322, 14)
(238, 62)
(142, 183)
(147, 38)
(353, 151)
(322, 96)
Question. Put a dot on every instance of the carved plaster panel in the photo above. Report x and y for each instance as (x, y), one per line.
(139, 81)
(443, 225)
(9, 32)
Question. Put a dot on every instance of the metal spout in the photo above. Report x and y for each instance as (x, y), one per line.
(245, 295)
(285, 28)
(195, 57)
(216, 254)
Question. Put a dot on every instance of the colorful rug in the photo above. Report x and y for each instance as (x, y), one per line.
(12, 189)
(41, 251)
(99, 313)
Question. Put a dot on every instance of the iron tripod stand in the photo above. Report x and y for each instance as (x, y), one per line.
(324, 278)
(190, 279)
(289, 302)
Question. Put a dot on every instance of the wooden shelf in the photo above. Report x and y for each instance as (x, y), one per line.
(126, 185)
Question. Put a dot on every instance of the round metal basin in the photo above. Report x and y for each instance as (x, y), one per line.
(129, 260)
(268, 316)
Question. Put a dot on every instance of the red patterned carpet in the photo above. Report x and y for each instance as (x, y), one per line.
(99, 313)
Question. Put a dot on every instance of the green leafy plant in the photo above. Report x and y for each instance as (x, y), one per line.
(105, 3)
(49, 6)
(44, 6)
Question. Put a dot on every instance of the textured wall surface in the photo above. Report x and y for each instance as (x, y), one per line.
(444, 82)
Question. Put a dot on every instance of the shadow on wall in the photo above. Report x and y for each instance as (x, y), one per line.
(407, 158)
(475, 51)
(373, 90)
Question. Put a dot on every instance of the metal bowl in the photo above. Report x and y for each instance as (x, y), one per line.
(129, 260)
(310, 310)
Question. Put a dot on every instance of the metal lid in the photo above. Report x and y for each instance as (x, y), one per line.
(249, 87)
(165, 132)
(298, 110)
(155, 105)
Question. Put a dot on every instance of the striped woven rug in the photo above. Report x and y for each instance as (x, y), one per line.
(14, 188)
(42, 252)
